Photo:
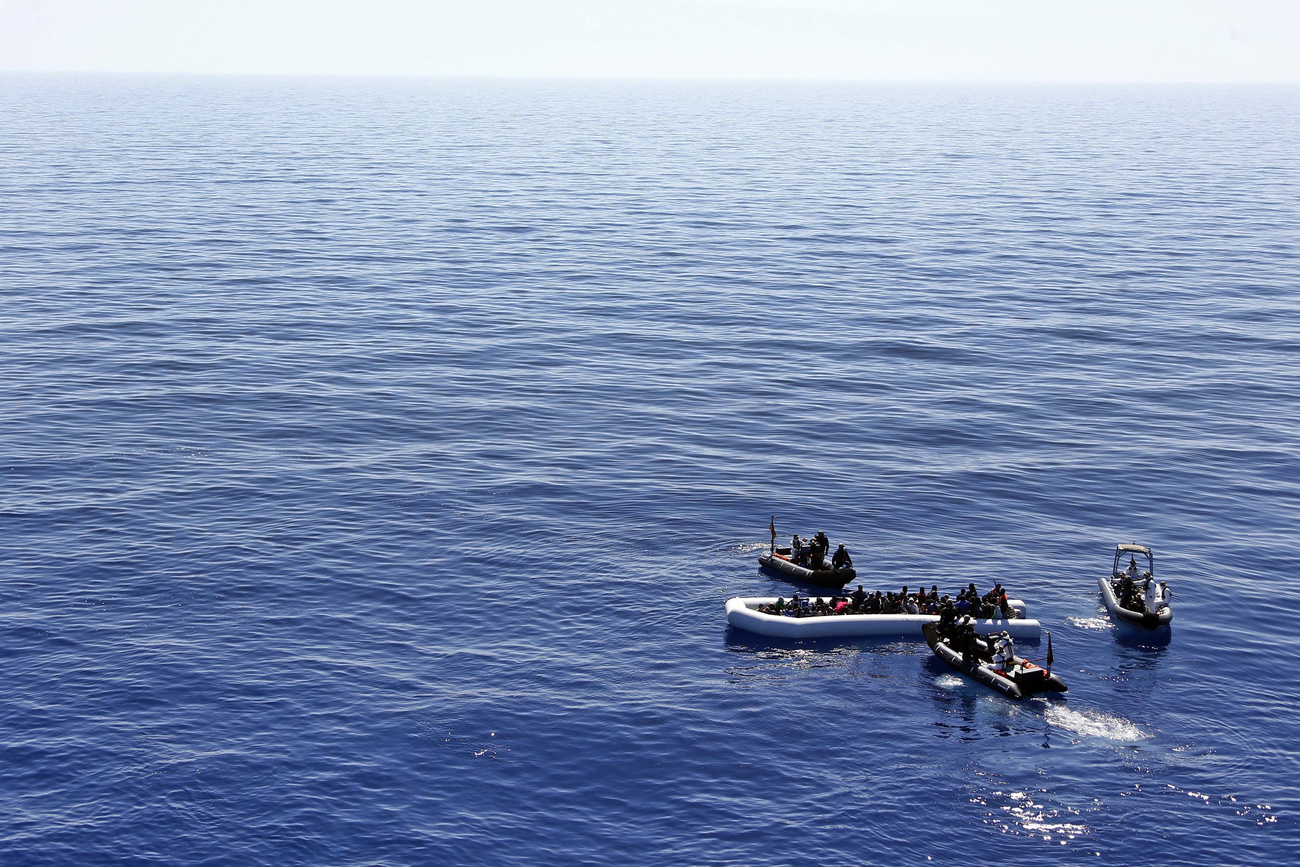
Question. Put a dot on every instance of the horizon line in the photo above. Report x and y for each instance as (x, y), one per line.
(431, 76)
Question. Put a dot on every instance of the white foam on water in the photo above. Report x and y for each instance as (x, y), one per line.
(1095, 724)
(1093, 624)
(949, 681)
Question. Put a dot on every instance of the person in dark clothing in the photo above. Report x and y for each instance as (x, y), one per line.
(858, 596)
(947, 619)
(964, 643)
(841, 560)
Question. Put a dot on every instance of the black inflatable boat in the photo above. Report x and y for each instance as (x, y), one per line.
(1024, 679)
(779, 561)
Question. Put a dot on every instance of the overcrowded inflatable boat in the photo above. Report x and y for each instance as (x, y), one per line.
(743, 613)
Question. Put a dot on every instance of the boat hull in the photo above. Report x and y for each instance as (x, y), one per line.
(1140, 619)
(832, 578)
(743, 613)
(1033, 680)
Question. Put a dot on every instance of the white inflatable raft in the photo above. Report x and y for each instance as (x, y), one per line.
(1112, 589)
(743, 613)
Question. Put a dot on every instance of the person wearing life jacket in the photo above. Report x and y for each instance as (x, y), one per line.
(841, 559)
(1003, 651)
(1151, 595)
(1004, 606)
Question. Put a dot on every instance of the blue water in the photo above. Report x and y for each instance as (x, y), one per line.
(377, 457)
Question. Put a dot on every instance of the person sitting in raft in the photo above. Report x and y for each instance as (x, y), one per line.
(841, 559)
(1132, 570)
(858, 596)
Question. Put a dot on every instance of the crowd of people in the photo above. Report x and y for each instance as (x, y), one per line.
(968, 603)
(1138, 591)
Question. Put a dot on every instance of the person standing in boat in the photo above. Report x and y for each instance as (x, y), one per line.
(947, 619)
(965, 641)
(841, 559)
(1151, 595)
(1004, 651)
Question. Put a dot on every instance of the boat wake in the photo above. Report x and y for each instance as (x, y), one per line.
(1095, 724)
(1094, 624)
(950, 682)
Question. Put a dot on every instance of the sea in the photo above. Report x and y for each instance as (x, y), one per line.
(377, 456)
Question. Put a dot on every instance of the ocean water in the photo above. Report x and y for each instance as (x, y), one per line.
(377, 457)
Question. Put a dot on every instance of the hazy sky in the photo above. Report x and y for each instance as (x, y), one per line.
(1034, 40)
